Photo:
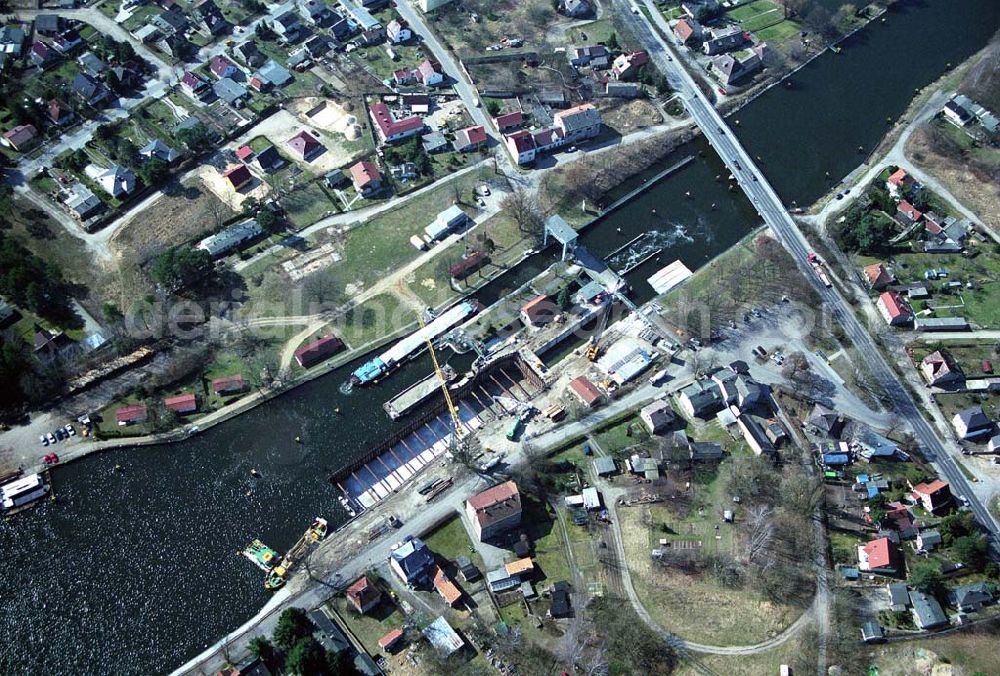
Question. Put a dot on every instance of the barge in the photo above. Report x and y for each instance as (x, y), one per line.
(416, 394)
(408, 347)
(20, 493)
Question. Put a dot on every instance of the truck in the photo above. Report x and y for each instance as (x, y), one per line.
(817, 266)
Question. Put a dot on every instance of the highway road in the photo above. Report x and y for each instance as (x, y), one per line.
(753, 182)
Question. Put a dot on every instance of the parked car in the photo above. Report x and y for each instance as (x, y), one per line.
(69, 430)
(43, 440)
(51, 438)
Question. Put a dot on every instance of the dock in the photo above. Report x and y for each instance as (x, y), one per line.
(416, 394)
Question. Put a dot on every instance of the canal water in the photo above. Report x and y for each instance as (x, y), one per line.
(135, 571)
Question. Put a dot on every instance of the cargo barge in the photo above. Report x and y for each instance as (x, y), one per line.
(416, 394)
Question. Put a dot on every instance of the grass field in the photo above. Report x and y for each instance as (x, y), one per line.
(308, 204)
(378, 316)
(451, 541)
(967, 652)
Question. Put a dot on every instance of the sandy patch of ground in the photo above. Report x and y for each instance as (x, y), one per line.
(223, 190)
(626, 117)
(444, 112)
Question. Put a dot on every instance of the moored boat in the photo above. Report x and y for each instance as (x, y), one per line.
(318, 529)
(261, 555)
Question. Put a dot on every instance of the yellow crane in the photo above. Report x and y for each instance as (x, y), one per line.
(455, 419)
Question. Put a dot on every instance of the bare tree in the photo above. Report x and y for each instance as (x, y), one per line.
(760, 533)
(523, 207)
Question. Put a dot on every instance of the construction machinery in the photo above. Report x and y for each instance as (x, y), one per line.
(455, 418)
(594, 346)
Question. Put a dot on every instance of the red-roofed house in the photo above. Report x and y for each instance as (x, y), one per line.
(318, 350)
(366, 178)
(626, 66)
(446, 588)
(428, 74)
(910, 212)
(131, 415)
(244, 153)
(238, 177)
(59, 112)
(404, 76)
(391, 130)
(222, 67)
(933, 496)
(898, 182)
(20, 137)
(509, 121)
(469, 139)
(495, 510)
(389, 641)
(363, 595)
(305, 146)
(878, 276)
(538, 311)
(894, 309)
(878, 556)
(521, 145)
(585, 391)
(182, 403)
(687, 30)
(228, 384)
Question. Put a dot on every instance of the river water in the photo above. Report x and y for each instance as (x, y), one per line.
(135, 571)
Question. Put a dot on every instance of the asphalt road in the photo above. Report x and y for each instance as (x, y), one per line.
(772, 210)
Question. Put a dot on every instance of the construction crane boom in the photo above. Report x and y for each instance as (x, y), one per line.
(455, 419)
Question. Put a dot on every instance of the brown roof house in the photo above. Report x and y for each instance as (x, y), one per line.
(229, 384)
(495, 510)
(539, 311)
(131, 415)
(932, 496)
(939, 369)
(20, 137)
(366, 178)
(238, 177)
(585, 391)
(182, 403)
(305, 146)
(878, 276)
(363, 595)
(318, 350)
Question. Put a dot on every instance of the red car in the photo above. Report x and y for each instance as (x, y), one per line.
(50, 458)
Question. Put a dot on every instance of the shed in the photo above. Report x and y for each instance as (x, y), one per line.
(871, 632)
(591, 498)
(604, 465)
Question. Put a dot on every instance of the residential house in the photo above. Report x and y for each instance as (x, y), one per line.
(719, 40)
(470, 139)
(133, 414)
(894, 309)
(446, 221)
(305, 146)
(66, 42)
(878, 556)
(428, 74)
(11, 41)
(82, 203)
(389, 642)
(899, 596)
(342, 28)
(872, 446)
(249, 53)
(21, 137)
(927, 612)
(91, 64)
(435, 142)
(687, 31)
(626, 66)
(361, 15)
(211, 22)
(970, 597)
(412, 561)
(391, 130)
(176, 45)
(927, 540)
(878, 276)
(957, 114)
(578, 123)
(404, 76)
(366, 178)
(622, 90)
(972, 424)
(521, 146)
(577, 9)
(495, 510)
(732, 68)
(59, 113)
(231, 92)
(933, 496)
(48, 24)
(754, 432)
(509, 121)
(238, 177)
(317, 46)
(172, 21)
(89, 90)
(117, 181)
(40, 55)
(222, 67)
(585, 391)
(446, 588)
(418, 104)
(274, 74)
(363, 594)
(159, 150)
(230, 238)
(228, 385)
(182, 404)
(318, 350)
(824, 422)
(939, 369)
(195, 86)
(658, 416)
(287, 27)
(398, 32)
(594, 56)
(900, 183)
(705, 451)
(871, 632)
(700, 399)
(559, 596)
(316, 12)
(538, 311)
(908, 213)
(371, 37)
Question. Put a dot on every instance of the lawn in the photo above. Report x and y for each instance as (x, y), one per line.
(779, 32)
(376, 59)
(307, 204)
(539, 521)
(598, 32)
(451, 541)
(369, 628)
(381, 315)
